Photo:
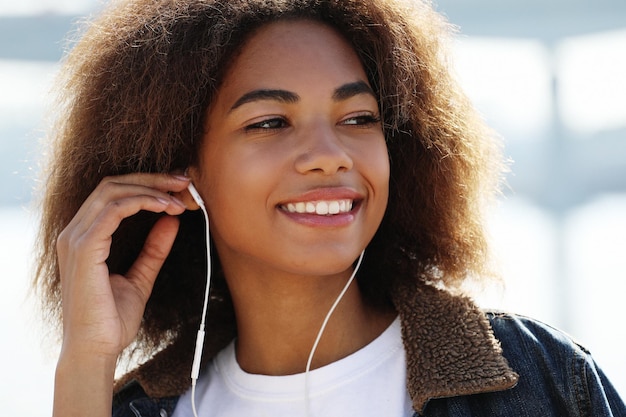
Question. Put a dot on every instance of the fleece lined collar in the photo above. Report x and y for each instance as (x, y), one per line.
(450, 351)
(450, 347)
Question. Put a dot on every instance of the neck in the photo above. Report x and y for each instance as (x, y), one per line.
(278, 320)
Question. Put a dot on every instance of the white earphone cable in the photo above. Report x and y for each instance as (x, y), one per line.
(197, 356)
(321, 331)
(195, 368)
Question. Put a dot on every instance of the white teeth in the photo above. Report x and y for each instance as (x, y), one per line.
(321, 208)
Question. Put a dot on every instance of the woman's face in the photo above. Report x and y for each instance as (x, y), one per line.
(293, 166)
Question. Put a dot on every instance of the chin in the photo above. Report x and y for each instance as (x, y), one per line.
(325, 263)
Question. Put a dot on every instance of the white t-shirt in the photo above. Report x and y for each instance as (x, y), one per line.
(370, 382)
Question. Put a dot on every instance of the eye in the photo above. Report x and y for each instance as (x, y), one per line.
(268, 124)
(361, 120)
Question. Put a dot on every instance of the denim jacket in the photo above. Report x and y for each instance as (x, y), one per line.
(461, 362)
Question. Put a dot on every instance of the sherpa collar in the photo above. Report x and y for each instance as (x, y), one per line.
(450, 347)
(450, 351)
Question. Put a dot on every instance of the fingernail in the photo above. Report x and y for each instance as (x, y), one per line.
(178, 202)
(180, 177)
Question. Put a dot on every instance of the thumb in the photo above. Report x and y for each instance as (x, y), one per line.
(157, 246)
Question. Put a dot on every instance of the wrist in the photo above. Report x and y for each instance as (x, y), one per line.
(83, 384)
(86, 359)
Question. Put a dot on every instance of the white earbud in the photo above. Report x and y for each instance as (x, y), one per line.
(195, 195)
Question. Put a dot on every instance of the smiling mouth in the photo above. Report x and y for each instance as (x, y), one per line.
(320, 208)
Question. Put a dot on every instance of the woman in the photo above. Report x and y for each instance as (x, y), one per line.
(316, 133)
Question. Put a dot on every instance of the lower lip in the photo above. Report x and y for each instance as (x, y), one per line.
(314, 220)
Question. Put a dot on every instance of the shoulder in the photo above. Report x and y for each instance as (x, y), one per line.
(132, 401)
(538, 349)
(554, 367)
(557, 377)
(531, 334)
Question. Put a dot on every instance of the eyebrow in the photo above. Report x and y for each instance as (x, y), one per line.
(350, 90)
(343, 92)
(277, 95)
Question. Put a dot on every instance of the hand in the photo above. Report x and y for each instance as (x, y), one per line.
(102, 311)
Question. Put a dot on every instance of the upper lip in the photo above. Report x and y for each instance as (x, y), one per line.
(325, 194)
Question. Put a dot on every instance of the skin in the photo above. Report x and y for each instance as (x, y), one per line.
(102, 312)
(315, 137)
(319, 139)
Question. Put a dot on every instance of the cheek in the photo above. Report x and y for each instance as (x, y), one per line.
(238, 186)
(381, 172)
(229, 206)
(378, 164)
(375, 168)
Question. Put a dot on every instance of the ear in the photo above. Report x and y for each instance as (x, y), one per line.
(187, 199)
(185, 195)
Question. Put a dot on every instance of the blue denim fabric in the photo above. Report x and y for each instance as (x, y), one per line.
(558, 377)
(132, 401)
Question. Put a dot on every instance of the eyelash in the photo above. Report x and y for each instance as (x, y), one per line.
(363, 120)
(270, 124)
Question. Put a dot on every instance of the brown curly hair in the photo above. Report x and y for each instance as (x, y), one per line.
(133, 97)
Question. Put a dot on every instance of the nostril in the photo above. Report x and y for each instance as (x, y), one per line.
(325, 159)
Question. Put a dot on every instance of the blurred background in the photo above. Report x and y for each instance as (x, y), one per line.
(550, 77)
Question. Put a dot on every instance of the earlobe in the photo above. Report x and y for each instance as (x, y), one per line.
(193, 173)
(188, 200)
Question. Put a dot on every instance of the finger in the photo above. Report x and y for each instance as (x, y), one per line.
(185, 197)
(94, 239)
(113, 188)
(162, 182)
(157, 247)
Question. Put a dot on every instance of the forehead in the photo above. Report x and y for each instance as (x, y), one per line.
(291, 52)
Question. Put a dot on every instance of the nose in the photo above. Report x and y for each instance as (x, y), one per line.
(323, 152)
